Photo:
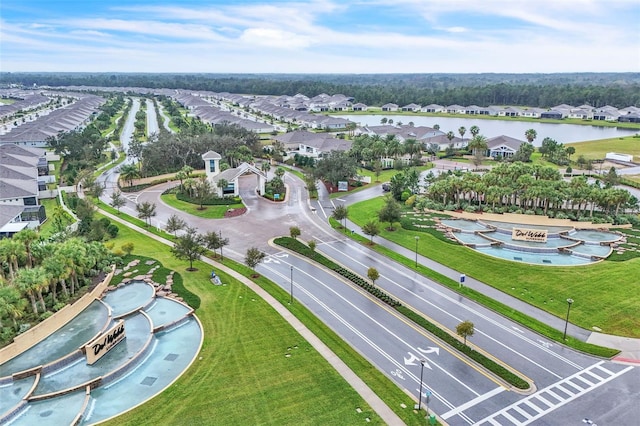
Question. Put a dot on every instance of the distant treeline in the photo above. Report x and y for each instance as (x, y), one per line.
(540, 90)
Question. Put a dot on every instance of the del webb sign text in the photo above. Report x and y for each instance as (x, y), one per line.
(100, 346)
(535, 235)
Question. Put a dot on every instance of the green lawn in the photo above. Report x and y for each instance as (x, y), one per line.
(243, 374)
(209, 212)
(605, 293)
(594, 150)
(50, 205)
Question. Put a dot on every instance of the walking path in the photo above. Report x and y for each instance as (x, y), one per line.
(377, 404)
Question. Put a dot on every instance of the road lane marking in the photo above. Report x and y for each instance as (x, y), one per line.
(473, 402)
(368, 341)
(469, 309)
(561, 385)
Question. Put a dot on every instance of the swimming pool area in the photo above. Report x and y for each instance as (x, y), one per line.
(549, 245)
(53, 382)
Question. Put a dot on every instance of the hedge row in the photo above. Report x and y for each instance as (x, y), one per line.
(298, 247)
(488, 363)
(211, 201)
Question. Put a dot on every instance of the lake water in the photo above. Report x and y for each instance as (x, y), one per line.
(563, 133)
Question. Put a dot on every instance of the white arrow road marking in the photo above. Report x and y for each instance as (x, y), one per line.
(413, 358)
(430, 350)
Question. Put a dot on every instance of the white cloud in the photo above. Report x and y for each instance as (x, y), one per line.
(274, 38)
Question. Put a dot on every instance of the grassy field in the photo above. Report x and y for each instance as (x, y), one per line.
(209, 212)
(50, 205)
(243, 374)
(598, 149)
(604, 293)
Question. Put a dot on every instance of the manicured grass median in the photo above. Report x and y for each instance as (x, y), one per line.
(209, 212)
(605, 293)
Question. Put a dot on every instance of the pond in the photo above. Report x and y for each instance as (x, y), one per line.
(563, 133)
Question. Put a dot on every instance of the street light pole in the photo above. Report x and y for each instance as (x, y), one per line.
(420, 390)
(566, 322)
(417, 238)
(291, 283)
(220, 234)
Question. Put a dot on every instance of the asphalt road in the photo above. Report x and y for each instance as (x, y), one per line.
(570, 386)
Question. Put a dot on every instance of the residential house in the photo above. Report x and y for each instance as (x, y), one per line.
(359, 107)
(389, 107)
(455, 109)
(20, 207)
(503, 146)
(432, 108)
(411, 108)
(553, 114)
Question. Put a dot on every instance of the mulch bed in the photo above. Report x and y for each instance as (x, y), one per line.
(235, 212)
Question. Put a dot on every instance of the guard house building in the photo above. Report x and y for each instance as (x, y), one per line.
(215, 174)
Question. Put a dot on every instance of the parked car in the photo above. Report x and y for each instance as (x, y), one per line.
(386, 187)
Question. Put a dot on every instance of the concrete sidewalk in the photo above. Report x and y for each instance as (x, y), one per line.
(377, 404)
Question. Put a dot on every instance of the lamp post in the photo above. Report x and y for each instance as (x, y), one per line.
(291, 287)
(220, 234)
(420, 389)
(566, 322)
(417, 238)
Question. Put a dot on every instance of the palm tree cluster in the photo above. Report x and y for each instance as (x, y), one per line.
(369, 149)
(527, 188)
(31, 267)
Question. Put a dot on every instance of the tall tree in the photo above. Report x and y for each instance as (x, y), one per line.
(27, 236)
(253, 257)
(117, 200)
(174, 224)
(372, 229)
(340, 213)
(390, 212)
(128, 172)
(462, 130)
(146, 211)
(465, 329)
(214, 241)
(189, 246)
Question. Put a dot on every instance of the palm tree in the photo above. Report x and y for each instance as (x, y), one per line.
(27, 236)
(12, 304)
(474, 130)
(478, 144)
(450, 135)
(462, 130)
(222, 184)
(31, 281)
(128, 172)
(11, 251)
(530, 134)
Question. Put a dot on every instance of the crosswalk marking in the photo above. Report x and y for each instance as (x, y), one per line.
(573, 387)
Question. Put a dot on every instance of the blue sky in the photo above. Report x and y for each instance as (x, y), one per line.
(323, 36)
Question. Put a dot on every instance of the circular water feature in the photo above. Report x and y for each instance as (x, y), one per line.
(159, 346)
(559, 246)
